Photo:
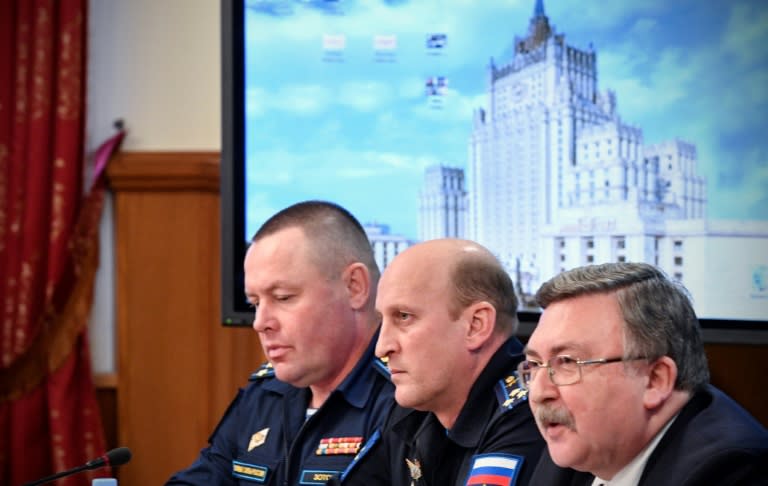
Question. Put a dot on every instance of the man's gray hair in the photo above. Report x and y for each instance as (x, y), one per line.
(658, 314)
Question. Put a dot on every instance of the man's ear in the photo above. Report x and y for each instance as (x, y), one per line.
(481, 319)
(357, 281)
(661, 382)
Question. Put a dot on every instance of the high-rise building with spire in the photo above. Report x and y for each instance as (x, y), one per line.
(556, 179)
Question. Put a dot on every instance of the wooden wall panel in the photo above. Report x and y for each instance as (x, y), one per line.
(106, 395)
(178, 367)
(741, 370)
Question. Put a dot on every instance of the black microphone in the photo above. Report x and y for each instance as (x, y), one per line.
(115, 457)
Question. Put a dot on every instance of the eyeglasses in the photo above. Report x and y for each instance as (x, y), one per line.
(562, 370)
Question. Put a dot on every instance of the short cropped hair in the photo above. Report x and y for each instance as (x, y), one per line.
(336, 237)
(479, 276)
(659, 319)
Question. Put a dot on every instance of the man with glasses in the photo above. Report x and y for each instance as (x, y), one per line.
(619, 386)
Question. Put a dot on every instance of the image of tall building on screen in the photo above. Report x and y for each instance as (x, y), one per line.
(556, 179)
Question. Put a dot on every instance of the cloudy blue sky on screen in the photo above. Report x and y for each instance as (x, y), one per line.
(361, 131)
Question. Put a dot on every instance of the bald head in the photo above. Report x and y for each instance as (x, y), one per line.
(462, 269)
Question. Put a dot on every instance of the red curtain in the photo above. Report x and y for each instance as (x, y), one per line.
(49, 417)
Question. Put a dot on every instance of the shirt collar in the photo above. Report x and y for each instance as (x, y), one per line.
(356, 387)
(630, 474)
(476, 412)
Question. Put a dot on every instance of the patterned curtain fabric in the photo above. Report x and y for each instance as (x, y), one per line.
(49, 417)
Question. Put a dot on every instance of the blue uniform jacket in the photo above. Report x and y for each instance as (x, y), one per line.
(494, 440)
(265, 438)
(713, 441)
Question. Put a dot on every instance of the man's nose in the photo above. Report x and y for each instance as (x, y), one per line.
(262, 318)
(385, 344)
(541, 388)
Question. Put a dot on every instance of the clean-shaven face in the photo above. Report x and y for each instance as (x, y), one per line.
(423, 342)
(302, 315)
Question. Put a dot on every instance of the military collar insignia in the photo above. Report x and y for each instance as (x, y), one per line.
(511, 392)
(258, 439)
(339, 446)
(414, 467)
(265, 371)
(382, 366)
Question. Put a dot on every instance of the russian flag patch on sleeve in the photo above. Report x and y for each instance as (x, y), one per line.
(494, 470)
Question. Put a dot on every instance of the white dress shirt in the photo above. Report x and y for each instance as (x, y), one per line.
(630, 474)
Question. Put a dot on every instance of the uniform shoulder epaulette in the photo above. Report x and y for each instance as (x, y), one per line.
(265, 371)
(381, 366)
(510, 392)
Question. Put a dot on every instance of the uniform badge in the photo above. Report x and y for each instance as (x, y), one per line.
(257, 439)
(414, 467)
(316, 476)
(251, 472)
(367, 447)
(495, 469)
(382, 366)
(265, 371)
(339, 446)
(511, 393)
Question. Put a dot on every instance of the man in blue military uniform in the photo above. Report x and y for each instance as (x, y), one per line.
(311, 277)
(619, 384)
(448, 312)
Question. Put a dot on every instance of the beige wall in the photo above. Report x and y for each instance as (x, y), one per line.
(156, 65)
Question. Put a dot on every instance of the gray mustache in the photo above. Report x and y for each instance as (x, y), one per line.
(561, 416)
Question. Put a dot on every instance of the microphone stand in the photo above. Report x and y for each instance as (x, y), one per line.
(59, 475)
(115, 457)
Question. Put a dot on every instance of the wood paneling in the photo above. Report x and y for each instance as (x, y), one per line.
(106, 395)
(178, 367)
(741, 370)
